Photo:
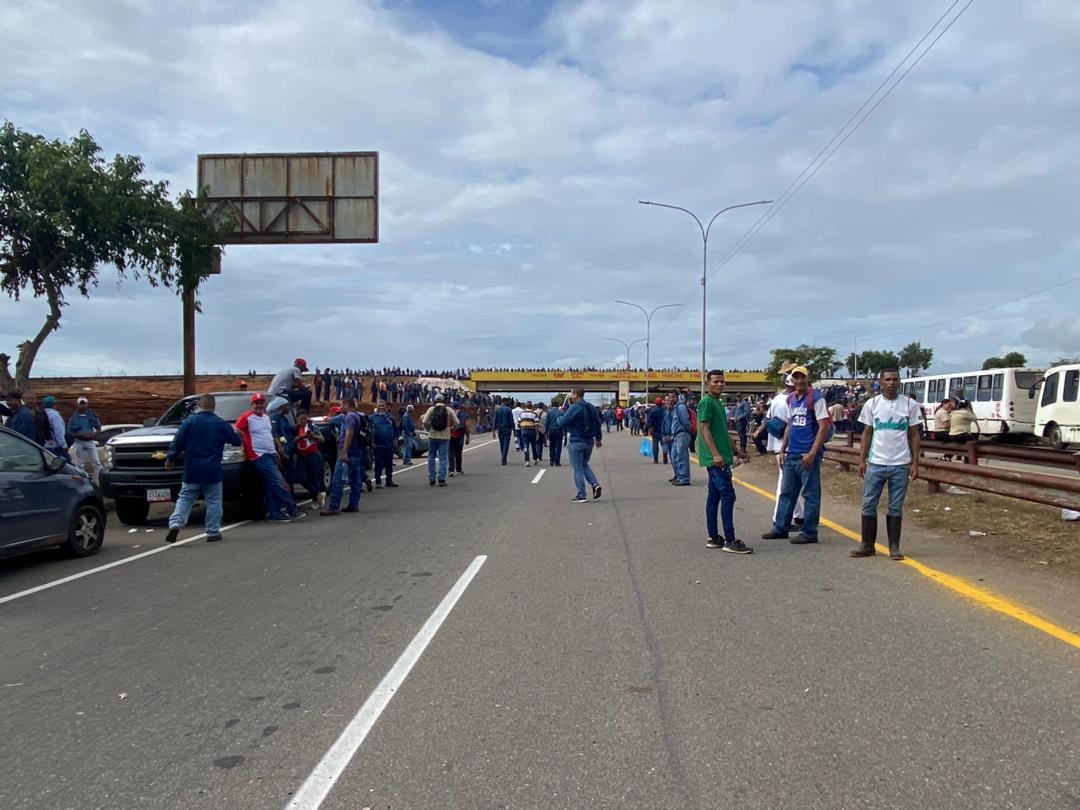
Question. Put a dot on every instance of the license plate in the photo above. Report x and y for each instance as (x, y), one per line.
(156, 495)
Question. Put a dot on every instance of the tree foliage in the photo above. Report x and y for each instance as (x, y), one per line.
(915, 358)
(873, 361)
(65, 211)
(1010, 360)
(820, 361)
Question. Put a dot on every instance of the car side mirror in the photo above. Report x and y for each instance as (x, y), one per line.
(56, 464)
(149, 423)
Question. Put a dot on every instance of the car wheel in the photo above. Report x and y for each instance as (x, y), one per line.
(132, 511)
(1053, 435)
(86, 532)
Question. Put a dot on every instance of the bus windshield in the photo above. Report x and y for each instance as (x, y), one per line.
(1025, 379)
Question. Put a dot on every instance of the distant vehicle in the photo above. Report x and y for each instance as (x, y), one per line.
(1057, 416)
(135, 474)
(45, 501)
(999, 397)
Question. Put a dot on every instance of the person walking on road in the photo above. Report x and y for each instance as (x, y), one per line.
(383, 433)
(555, 436)
(201, 438)
(890, 453)
(83, 426)
(716, 456)
(680, 444)
(504, 428)
(408, 432)
(581, 422)
(527, 422)
(439, 421)
(267, 454)
(800, 455)
(351, 461)
(459, 437)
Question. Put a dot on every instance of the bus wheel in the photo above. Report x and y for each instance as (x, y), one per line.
(1053, 435)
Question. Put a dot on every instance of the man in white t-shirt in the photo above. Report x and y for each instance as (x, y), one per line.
(890, 452)
(778, 409)
(516, 411)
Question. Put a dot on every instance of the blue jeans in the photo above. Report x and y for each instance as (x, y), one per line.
(406, 448)
(722, 497)
(504, 443)
(188, 494)
(555, 441)
(680, 455)
(740, 425)
(528, 442)
(874, 483)
(440, 448)
(353, 468)
(278, 499)
(655, 447)
(797, 480)
(309, 473)
(384, 462)
(580, 453)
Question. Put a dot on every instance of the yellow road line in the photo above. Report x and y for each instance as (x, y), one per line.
(954, 583)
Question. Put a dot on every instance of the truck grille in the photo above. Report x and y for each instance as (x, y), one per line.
(141, 457)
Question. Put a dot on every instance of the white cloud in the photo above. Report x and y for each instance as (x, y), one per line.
(509, 186)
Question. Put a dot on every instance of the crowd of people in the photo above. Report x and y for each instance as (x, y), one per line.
(72, 439)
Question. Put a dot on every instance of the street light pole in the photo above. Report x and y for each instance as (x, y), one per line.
(648, 332)
(704, 261)
(627, 346)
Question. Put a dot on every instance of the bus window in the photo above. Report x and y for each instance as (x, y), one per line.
(969, 388)
(920, 390)
(908, 388)
(1072, 382)
(956, 388)
(999, 387)
(1049, 394)
(984, 388)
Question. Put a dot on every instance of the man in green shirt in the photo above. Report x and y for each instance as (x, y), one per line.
(715, 455)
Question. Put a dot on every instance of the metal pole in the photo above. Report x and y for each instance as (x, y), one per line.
(188, 299)
(648, 335)
(704, 261)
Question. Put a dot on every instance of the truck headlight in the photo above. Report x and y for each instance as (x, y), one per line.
(108, 457)
(232, 455)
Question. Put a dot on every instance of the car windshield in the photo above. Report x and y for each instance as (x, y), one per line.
(228, 408)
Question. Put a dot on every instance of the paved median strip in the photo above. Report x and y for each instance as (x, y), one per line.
(954, 583)
(326, 774)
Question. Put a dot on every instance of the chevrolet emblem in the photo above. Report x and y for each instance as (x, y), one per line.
(159, 455)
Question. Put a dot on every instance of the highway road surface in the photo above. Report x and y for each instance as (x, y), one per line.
(493, 645)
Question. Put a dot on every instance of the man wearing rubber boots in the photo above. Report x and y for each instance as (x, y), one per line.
(890, 453)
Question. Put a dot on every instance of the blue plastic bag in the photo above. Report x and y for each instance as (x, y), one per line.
(646, 446)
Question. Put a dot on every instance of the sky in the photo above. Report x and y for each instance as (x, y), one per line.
(515, 140)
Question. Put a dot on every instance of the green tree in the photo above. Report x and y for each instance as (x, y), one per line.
(65, 211)
(1011, 360)
(558, 400)
(915, 358)
(872, 362)
(820, 361)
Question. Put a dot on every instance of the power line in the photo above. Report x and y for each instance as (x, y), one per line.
(808, 174)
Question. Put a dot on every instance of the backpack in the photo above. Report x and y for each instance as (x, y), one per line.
(693, 424)
(439, 419)
(43, 432)
(810, 399)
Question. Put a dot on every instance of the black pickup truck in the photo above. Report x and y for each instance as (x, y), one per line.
(136, 476)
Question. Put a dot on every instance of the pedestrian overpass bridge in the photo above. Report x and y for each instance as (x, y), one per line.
(620, 382)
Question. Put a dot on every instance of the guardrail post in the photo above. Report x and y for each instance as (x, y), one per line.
(933, 487)
(851, 438)
(973, 453)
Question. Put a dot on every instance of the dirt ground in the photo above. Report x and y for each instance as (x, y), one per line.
(1027, 532)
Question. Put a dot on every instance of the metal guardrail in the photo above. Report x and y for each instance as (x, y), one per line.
(1052, 490)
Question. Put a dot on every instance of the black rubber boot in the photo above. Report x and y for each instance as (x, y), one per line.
(869, 537)
(892, 526)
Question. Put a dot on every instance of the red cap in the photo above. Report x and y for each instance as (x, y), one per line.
(300, 363)
(257, 398)
(335, 410)
(659, 401)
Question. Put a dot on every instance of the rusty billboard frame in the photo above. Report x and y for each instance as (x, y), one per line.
(295, 197)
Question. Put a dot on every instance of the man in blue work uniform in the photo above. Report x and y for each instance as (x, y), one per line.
(503, 420)
(201, 438)
(680, 443)
(383, 432)
(582, 423)
(655, 422)
(408, 432)
(554, 435)
(741, 415)
(21, 418)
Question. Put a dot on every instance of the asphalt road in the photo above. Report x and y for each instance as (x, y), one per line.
(600, 657)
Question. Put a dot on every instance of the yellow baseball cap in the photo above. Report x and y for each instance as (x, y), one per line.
(800, 370)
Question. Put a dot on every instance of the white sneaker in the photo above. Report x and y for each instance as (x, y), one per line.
(526, 464)
(322, 500)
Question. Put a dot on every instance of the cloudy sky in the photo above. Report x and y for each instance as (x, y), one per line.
(515, 139)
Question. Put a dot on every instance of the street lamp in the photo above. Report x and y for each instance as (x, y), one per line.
(627, 347)
(704, 260)
(648, 326)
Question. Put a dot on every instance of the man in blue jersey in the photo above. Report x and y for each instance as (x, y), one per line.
(800, 459)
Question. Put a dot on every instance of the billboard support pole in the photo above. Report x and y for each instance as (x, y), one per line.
(189, 341)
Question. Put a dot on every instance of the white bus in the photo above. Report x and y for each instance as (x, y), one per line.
(1000, 397)
(1057, 418)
